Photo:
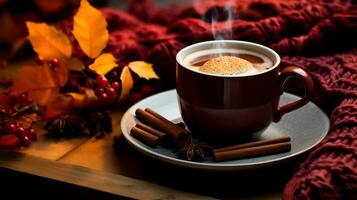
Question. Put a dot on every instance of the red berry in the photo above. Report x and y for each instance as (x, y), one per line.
(25, 140)
(116, 85)
(5, 111)
(102, 81)
(31, 134)
(10, 127)
(10, 142)
(21, 130)
(103, 96)
(54, 62)
(30, 101)
(23, 99)
(111, 91)
(40, 60)
(99, 92)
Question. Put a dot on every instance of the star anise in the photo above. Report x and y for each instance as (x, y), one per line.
(192, 149)
(99, 123)
(65, 126)
(86, 124)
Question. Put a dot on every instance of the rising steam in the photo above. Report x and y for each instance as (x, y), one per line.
(222, 18)
(222, 21)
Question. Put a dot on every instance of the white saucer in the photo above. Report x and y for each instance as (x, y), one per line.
(306, 126)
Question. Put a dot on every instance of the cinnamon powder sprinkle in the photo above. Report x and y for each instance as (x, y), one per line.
(226, 65)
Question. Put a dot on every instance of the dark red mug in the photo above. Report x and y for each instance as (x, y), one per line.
(223, 107)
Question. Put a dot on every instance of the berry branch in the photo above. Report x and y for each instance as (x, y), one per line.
(16, 126)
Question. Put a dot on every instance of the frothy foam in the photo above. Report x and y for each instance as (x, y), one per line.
(191, 59)
(226, 65)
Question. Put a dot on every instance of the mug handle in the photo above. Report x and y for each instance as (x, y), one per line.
(306, 79)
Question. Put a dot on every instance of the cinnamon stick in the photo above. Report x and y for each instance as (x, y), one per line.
(181, 124)
(157, 115)
(149, 129)
(256, 143)
(162, 125)
(144, 136)
(252, 151)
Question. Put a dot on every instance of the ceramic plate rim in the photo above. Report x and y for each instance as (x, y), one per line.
(200, 165)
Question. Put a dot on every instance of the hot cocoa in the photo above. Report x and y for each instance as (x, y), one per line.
(228, 62)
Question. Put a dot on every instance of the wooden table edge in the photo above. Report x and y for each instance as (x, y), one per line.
(90, 178)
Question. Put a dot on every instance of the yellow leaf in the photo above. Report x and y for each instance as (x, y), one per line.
(143, 69)
(90, 30)
(127, 82)
(48, 42)
(103, 64)
(74, 64)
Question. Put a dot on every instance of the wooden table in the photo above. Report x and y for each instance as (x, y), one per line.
(95, 165)
(88, 168)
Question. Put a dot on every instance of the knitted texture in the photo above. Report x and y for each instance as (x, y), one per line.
(318, 35)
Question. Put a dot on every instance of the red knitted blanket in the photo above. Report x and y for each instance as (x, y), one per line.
(319, 35)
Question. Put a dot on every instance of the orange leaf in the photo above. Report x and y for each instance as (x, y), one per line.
(90, 30)
(143, 69)
(60, 73)
(103, 64)
(60, 105)
(126, 81)
(40, 82)
(48, 42)
(33, 78)
(44, 95)
(80, 100)
(65, 103)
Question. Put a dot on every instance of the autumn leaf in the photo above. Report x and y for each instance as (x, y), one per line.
(143, 69)
(40, 82)
(126, 81)
(33, 77)
(90, 30)
(48, 42)
(80, 100)
(67, 102)
(60, 73)
(74, 64)
(103, 64)
(43, 96)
